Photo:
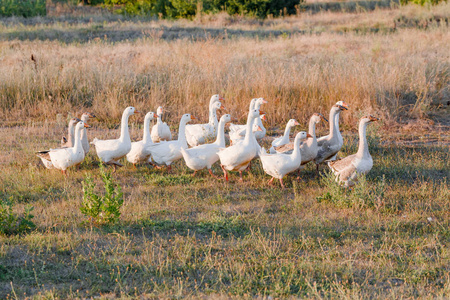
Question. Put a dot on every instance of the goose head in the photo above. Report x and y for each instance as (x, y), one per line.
(252, 104)
(187, 118)
(343, 104)
(292, 123)
(73, 122)
(369, 119)
(80, 125)
(225, 118)
(216, 98)
(259, 102)
(85, 116)
(301, 136)
(217, 105)
(130, 110)
(318, 116)
(160, 110)
(150, 116)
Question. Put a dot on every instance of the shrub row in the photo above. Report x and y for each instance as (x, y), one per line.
(23, 8)
(189, 8)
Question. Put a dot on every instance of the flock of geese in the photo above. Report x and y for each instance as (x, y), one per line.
(157, 147)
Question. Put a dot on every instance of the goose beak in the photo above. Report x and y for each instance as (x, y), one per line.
(296, 123)
(137, 112)
(193, 118)
(92, 115)
(221, 98)
(264, 118)
(323, 118)
(373, 119)
(308, 135)
(264, 101)
(222, 107)
(259, 129)
(261, 112)
(87, 126)
(341, 107)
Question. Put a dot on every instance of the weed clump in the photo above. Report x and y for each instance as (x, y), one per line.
(104, 209)
(363, 194)
(11, 223)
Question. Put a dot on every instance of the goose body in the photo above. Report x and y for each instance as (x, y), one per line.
(347, 169)
(204, 156)
(84, 138)
(165, 153)
(284, 139)
(64, 158)
(279, 164)
(338, 132)
(140, 151)
(309, 148)
(69, 141)
(160, 131)
(329, 147)
(238, 156)
(198, 134)
(238, 133)
(110, 151)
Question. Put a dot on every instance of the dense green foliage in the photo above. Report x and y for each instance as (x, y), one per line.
(422, 2)
(11, 223)
(102, 209)
(189, 8)
(23, 8)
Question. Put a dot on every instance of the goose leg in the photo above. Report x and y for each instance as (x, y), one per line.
(212, 174)
(271, 180)
(169, 168)
(195, 172)
(225, 173)
(154, 165)
(282, 184)
(240, 176)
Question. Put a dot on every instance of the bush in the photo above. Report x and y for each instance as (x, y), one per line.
(23, 8)
(102, 209)
(11, 223)
(189, 8)
(363, 194)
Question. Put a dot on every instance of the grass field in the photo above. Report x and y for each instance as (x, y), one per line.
(188, 237)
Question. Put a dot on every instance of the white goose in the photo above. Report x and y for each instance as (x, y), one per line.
(140, 151)
(64, 158)
(168, 152)
(309, 148)
(238, 156)
(110, 151)
(284, 139)
(160, 131)
(204, 156)
(69, 141)
(330, 146)
(347, 169)
(338, 132)
(279, 164)
(84, 138)
(198, 134)
(237, 133)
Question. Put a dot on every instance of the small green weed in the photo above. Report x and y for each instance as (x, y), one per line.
(102, 209)
(363, 194)
(11, 223)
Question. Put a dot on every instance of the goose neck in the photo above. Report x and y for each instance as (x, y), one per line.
(248, 129)
(220, 140)
(146, 138)
(333, 113)
(296, 153)
(182, 134)
(363, 147)
(77, 146)
(124, 132)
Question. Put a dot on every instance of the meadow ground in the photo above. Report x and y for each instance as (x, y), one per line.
(184, 236)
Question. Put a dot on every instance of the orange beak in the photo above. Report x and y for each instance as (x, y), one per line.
(193, 118)
(222, 107)
(323, 118)
(221, 98)
(296, 123)
(264, 101)
(137, 112)
(261, 112)
(308, 135)
(372, 118)
(87, 126)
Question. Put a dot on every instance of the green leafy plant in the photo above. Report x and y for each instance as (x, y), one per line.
(11, 223)
(363, 194)
(23, 8)
(102, 209)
